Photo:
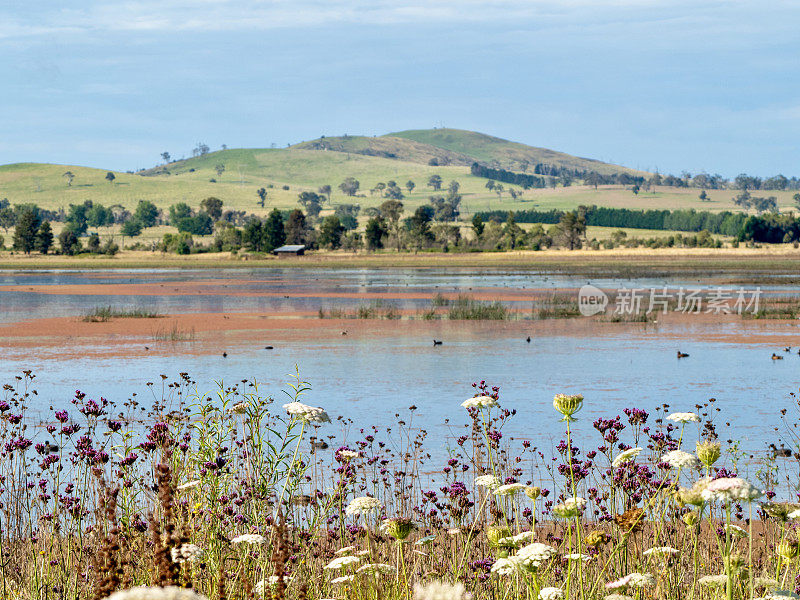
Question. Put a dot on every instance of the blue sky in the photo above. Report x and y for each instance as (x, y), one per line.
(701, 85)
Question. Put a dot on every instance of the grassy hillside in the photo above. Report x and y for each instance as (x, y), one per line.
(306, 167)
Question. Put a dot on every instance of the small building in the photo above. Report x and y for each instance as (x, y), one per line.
(296, 250)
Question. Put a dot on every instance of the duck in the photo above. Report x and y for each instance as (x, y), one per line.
(682, 354)
(437, 342)
(224, 355)
(776, 357)
(787, 349)
(528, 339)
(268, 347)
(781, 452)
(319, 445)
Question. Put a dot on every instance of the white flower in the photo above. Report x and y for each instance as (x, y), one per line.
(625, 456)
(568, 405)
(439, 590)
(376, 569)
(424, 541)
(551, 593)
(735, 530)
(678, 459)
(525, 536)
(795, 514)
(632, 580)
(343, 579)
(479, 402)
(345, 550)
(361, 505)
(577, 556)
(185, 553)
(660, 551)
(270, 581)
(684, 417)
(713, 580)
(304, 412)
(731, 489)
(509, 489)
(618, 597)
(569, 508)
(342, 562)
(533, 555)
(248, 538)
(189, 485)
(506, 566)
(156, 593)
(238, 409)
(765, 582)
(348, 454)
(488, 481)
(782, 595)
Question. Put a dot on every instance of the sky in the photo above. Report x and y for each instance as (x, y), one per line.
(672, 85)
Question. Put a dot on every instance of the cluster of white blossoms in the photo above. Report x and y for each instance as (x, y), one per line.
(345, 550)
(304, 412)
(713, 581)
(361, 505)
(185, 553)
(189, 485)
(509, 489)
(660, 551)
(678, 459)
(568, 405)
(551, 593)
(348, 454)
(569, 508)
(376, 569)
(684, 417)
(156, 593)
(535, 554)
(507, 565)
(487, 481)
(343, 579)
(439, 590)
(342, 562)
(270, 581)
(625, 457)
(249, 538)
(735, 530)
(578, 557)
(731, 489)
(480, 402)
(639, 580)
(238, 409)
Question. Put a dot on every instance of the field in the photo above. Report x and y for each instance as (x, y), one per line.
(304, 169)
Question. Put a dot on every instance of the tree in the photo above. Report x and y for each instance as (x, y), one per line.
(69, 176)
(220, 169)
(201, 149)
(478, 225)
(199, 224)
(490, 185)
(179, 211)
(25, 232)
(76, 216)
(213, 207)
(295, 227)
(69, 242)
(594, 179)
(146, 213)
(435, 182)
(274, 234)
(796, 199)
(165, 157)
(253, 235)
(110, 177)
(330, 233)
(131, 228)
(703, 196)
(8, 218)
(99, 216)
(453, 187)
(350, 186)
(348, 215)
(571, 228)
(44, 238)
(93, 243)
(374, 232)
(262, 194)
(325, 190)
(393, 191)
(419, 226)
(410, 185)
(311, 202)
(391, 211)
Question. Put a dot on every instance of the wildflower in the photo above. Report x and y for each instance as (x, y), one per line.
(309, 414)
(248, 538)
(728, 489)
(399, 527)
(362, 505)
(156, 593)
(424, 541)
(525, 536)
(348, 454)
(713, 581)
(533, 492)
(694, 495)
(780, 510)
(376, 569)
(238, 409)
(497, 533)
(568, 405)
(185, 553)
(691, 518)
(533, 555)
(617, 597)
(551, 593)
(570, 508)
(632, 580)
(735, 530)
(488, 481)
(270, 581)
(630, 520)
(625, 457)
(684, 417)
(660, 551)
(342, 562)
(342, 579)
(597, 538)
(439, 590)
(782, 595)
(708, 452)
(578, 556)
(678, 459)
(345, 550)
(189, 485)
(509, 489)
(787, 550)
(795, 514)
(506, 566)
(765, 582)
(480, 402)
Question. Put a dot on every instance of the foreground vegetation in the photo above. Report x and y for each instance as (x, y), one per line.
(235, 496)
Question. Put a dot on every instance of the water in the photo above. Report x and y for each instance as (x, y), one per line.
(380, 369)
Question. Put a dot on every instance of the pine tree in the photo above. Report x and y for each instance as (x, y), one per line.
(25, 232)
(44, 238)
